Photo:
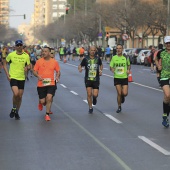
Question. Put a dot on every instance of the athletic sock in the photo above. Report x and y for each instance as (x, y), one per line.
(166, 108)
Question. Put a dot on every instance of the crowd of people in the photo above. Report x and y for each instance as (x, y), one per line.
(42, 64)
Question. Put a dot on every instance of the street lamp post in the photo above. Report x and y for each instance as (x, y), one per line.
(167, 30)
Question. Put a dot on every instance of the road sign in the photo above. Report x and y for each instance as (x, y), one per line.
(125, 37)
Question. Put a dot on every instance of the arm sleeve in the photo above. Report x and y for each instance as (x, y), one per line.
(100, 62)
(83, 62)
(8, 58)
(128, 61)
(159, 55)
(57, 68)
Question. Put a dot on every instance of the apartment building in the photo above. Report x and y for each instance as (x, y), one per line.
(58, 8)
(4, 12)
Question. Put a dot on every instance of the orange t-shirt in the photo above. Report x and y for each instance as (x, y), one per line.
(46, 69)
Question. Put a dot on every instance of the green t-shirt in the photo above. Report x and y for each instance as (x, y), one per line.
(61, 51)
(165, 58)
(120, 64)
(17, 65)
(77, 50)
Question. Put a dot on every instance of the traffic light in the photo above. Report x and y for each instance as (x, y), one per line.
(67, 10)
(24, 16)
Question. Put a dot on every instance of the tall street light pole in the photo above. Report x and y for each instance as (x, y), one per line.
(167, 30)
(85, 7)
(74, 8)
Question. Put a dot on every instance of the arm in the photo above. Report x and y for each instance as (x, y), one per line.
(36, 75)
(5, 68)
(100, 69)
(80, 68)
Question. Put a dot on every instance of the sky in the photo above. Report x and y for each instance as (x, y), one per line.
(20, 7)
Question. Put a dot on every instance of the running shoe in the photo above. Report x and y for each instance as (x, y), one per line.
(165, 121)
(119, 109)
(40, 106)
(50, 112)
(122, 99)
(13, 111)
(47, 118)
(94, 100)
(91, 110)
(17, 117)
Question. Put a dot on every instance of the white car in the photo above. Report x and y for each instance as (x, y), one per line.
(126, 51)
(141, 56)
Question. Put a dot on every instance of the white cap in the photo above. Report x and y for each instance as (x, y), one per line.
(167, 39)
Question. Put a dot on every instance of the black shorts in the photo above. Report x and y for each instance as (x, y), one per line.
(119, 81)
(43, 91)
(108, 55)
(33, 62)
(164, 82)
(19, 83)
(93, 84)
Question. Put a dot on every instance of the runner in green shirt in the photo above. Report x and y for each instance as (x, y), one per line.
(19, 63)
(120, 66)
(163, 63)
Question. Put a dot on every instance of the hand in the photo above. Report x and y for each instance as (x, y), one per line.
(57, 79)
(159, 67)
(8, 77)
(25, 69)
(100, 72)
(40, 78)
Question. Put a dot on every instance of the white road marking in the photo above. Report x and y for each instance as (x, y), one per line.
(63, 85)
(154, 145)
(74, 92)
(87, 102)
(146, 86)
(105, 69)
(112, 118)
(71, 65)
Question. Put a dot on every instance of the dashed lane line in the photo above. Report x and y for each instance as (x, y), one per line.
(74, 93)
(63, 86)
(112, 118)
(154, 145)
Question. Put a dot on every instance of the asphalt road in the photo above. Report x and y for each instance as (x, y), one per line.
(73, 139)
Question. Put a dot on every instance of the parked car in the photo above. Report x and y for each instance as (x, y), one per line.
(134, 54)
(141, 56)
(126, 51)
(147, 59)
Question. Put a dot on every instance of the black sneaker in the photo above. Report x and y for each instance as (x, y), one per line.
(94, 100)
(13, 111)
(122, 99)
(119, 109)
(165, 121)
(17, 116)
(91, 110)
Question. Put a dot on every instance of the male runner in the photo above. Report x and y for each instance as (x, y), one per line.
(44, 70)
(19, 64)
(93, 70)
(120, 66)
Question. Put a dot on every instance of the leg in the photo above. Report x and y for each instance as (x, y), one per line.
(166, 101)
(89, 96)
(49, 99)
(119, 93)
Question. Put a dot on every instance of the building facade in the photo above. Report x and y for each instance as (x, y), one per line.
(4, 12)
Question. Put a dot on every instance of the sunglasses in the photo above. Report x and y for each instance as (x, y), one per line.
(167, 43)
(19, 45)
(52, 53)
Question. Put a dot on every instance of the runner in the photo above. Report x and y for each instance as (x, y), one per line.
(1, 62)
(93, 70)
(120, 66)
(108, 53)
(19, 63)
(44, 69)
(38, 52)
(33, 60)
(163, 64)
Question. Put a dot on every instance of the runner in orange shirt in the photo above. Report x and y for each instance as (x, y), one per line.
(44, 69)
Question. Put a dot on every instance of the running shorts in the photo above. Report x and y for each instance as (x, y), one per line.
(43, 91)
(19, 83)
(93, 84)
(164, 82)
(119, 81)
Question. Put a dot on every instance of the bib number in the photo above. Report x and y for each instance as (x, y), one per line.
(92, 73)
(120, 70)
(46, 82)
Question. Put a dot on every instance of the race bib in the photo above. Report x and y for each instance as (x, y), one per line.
(120, 70)
(46, 81)
(92, 73)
